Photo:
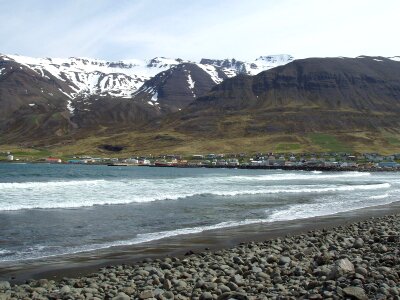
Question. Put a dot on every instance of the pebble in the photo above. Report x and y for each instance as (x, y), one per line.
(357, 261)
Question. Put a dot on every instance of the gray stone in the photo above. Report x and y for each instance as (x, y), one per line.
(224, 289)
(233, 295)
(384, 269)
(165, 266)
(146, 294)
(122, 296)
(272, 259)
(355, 292)
(283, 260)
(167, 284)
(4, 285)
(358, 243)
(342, 266)
(237, 279)
(238, 260)
(167, 296)
(362, 271)
(206, 296)
(66, 289)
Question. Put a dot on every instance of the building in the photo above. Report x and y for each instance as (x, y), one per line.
(388, 164)
(10, 157)
(233, 162)
(53, 160)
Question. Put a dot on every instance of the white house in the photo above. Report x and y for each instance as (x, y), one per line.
(10, 157)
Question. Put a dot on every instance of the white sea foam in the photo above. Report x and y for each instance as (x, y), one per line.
(309, 176)
(325, 208)
(49, 185)
(68, 194)
(380, 196)
(4, 251)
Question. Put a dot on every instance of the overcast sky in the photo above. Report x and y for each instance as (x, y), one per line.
(244, 29)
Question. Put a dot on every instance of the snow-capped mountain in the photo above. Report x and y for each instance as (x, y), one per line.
(73, 93)
(87, 77)
(179, 86)
(233, 67)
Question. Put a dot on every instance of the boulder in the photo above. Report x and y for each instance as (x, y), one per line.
(355, 292)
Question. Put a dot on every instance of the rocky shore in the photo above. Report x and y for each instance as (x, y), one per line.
(356, 261)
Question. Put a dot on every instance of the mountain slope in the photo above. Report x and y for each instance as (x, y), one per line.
(179, 86)
(52, 97)
(353, 100)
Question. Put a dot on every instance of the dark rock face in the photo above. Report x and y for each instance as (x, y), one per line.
(309, 95)
(226, 63)
(39, 106)
(32, 103)
(315, 94)
(177, 87)
(363, 83)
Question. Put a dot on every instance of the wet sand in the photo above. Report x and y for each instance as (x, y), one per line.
(85, 263)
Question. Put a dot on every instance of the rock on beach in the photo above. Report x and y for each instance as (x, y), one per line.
(355, 261)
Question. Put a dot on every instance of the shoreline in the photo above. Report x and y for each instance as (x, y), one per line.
(242, 167)
(84, 263)
(357, 258)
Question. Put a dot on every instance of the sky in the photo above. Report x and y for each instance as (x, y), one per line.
(241, 29)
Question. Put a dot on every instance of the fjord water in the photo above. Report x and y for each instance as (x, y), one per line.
(48, 210)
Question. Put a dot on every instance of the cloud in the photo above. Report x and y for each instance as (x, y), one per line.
(243, 29)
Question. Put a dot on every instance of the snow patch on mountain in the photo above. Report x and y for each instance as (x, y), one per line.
(191, 83)
(395, 58)
(154, 98)
(212, 71)
(70, 107)
(87, 77)
(233, 67)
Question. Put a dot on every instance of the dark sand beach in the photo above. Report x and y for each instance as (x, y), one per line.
(141, 269)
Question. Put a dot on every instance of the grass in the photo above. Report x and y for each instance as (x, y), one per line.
(328, 143)
(393, 141)
(173, 142)
(23, 153)
(286, 147)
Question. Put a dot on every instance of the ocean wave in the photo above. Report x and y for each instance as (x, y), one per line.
(293, 212)
(39, 251)
(379, 196)
(314, 175)
(50, 184)
(306, 190)
(324, 208)
(74, 199)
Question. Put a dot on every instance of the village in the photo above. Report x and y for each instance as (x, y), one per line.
(306, 161)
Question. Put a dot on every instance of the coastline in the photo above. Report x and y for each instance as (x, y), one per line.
(82, 264)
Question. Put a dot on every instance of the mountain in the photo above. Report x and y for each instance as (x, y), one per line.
(233, 67)
(313, 104)
(57, 97)
(350, 101)
(87, 77)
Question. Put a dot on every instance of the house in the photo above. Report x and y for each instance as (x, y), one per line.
(388, 164)
(144, 162)
(53, 160)
(234, 162)
(222, 163)
(10, 157)
(132, 161)
(197, 156)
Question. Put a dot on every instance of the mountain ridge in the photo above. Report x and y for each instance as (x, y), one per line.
(354, 101)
